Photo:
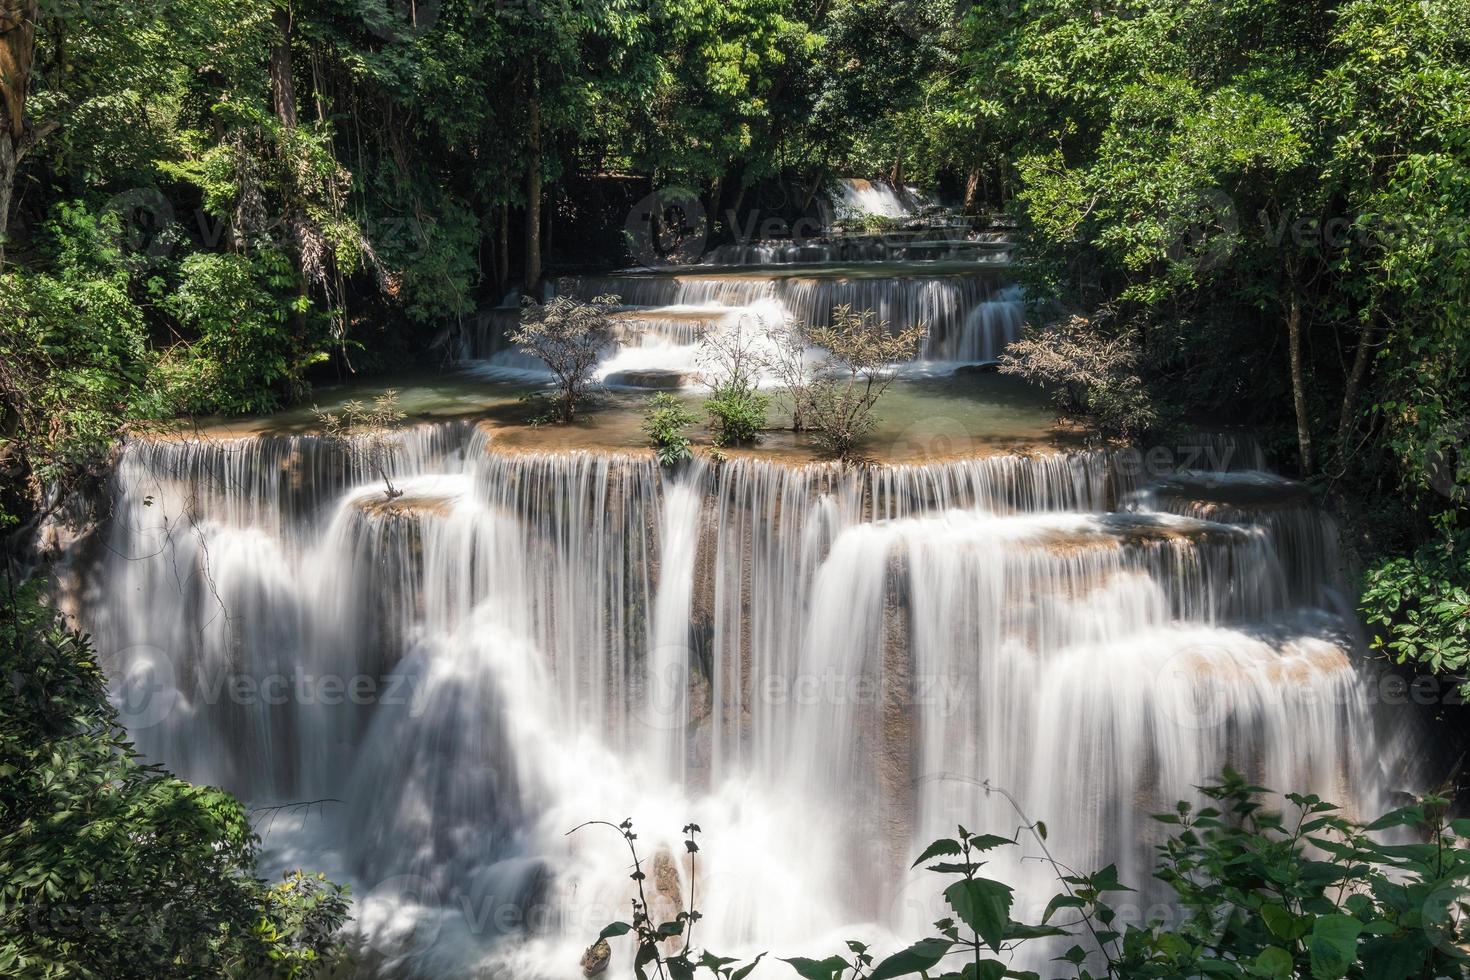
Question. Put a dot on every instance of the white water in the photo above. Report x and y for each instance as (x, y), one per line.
(857, 196)
(819, 666)
(938, 272)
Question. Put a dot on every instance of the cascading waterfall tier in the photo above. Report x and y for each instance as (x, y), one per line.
(970, 315)
(811, 662)
(932, 269)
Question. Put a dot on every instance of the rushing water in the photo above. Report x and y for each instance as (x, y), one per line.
(935, 271)
(822, 667)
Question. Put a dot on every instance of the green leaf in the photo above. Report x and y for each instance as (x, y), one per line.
(919, 957)
(614, 929)
(940, 847)
(829, 969)
(983, 905)
(1333, 945)
(1282, 923)
(1273, 962)
(1062, 902)
(749, 968)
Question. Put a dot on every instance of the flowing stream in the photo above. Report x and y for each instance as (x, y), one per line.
(823, 667)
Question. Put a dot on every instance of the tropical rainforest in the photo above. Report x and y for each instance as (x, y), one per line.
(1244, 214)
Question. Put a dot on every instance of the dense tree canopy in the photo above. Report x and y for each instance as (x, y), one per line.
(1252, 211)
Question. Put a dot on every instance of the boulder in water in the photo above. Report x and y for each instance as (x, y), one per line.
(984, 367)
(655, 378)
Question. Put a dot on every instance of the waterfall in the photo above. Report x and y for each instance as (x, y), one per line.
(968, 314)
(939, 272)
(821, 665)
(871, 197)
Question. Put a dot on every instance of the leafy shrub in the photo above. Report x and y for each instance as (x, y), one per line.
(1260, 894)
(665, 422)
(365, 432)
(569, 336)
(737, 415)
(247, 356)
(853, 375)
(732, 363)
(113, 868)
(1420, 604)
(1089, 372)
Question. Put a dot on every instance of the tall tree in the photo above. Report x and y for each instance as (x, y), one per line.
(18, 135)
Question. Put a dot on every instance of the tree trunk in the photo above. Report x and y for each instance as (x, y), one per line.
(17, 55)
(283, 84)
(9, 163)
(973, 184)
(1350, 393)
(533, 198)
(1298, 381)
(734, 210)
(502, 250)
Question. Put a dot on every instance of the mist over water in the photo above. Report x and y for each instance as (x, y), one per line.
(810, 662)
(825, 667)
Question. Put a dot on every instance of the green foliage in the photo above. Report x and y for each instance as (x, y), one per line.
(1309, 893)
(664, 424)
(857, 368)
(248, 356)
(732, 363)
(74, 360)
(110, 867)
(737, 414)
(651, 939)
(1089, 372)
(1420, 605)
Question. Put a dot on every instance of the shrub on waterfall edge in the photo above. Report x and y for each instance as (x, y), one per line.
(732, 362)
(113, 868)
(664, 424)
(569, 335)
(854, 373)
(1090, 371)
(1252, 901)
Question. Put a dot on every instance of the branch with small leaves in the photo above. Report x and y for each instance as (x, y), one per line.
(649, 960)
(366, 434)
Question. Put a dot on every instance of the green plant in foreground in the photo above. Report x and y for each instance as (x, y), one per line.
(651, 937)
(1421, 606)
(664, 423)
(111, 867)
(732, 362)
(1258, 894)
